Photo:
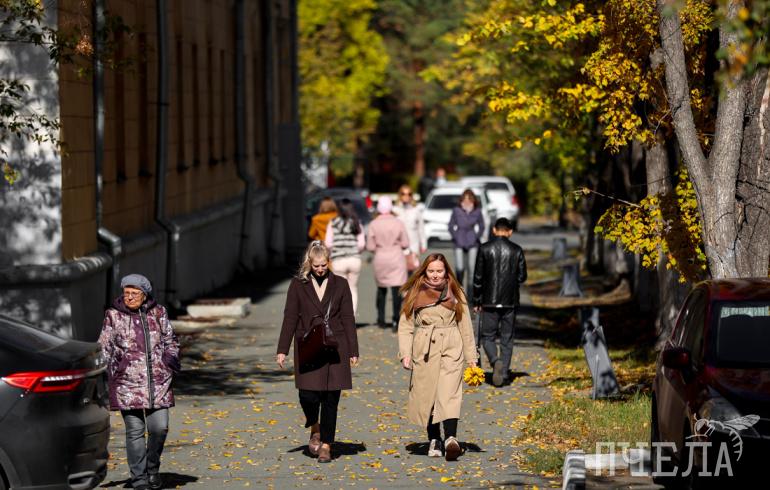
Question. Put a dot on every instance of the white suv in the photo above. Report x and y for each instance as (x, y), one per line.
(501, 195)
(439, 205)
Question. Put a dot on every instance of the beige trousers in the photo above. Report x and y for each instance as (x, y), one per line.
(350, 269)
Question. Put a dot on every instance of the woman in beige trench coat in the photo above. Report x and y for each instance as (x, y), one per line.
(435, 341)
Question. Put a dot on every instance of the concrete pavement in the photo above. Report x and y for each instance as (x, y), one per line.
(238, 423)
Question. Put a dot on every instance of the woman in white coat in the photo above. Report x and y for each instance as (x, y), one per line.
(410, 213)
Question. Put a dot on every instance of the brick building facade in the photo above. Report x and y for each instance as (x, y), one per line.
(181, 163)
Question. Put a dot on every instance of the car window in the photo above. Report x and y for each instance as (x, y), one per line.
(443, 201)
(694, 327)
(496, 186)
(743, 333)
(24, 338)
(676, 335)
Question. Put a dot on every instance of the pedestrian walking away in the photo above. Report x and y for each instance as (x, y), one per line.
(435, 341)
(142, 356)
(466, 226)
(318, 299)
(388, 239)
(410, 213)
(327, 211)
(345, 239)
(500, 270)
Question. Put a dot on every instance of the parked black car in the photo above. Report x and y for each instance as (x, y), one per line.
(54, 417)
(712, 385)
(360, 204)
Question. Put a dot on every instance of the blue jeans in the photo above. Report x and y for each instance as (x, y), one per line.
(144, 455)
(461, 254)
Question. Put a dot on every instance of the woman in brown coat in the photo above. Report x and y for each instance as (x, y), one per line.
(315, 293)
(435, 341)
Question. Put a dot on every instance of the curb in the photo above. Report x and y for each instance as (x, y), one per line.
(574, 470)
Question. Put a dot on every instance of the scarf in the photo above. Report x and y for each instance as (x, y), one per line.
(429, 296)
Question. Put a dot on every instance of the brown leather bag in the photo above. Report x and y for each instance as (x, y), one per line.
(316, 345)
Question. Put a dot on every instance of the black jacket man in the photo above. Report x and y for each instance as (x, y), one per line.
(500, 270)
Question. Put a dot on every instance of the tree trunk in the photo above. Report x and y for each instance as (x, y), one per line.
(752, 197)
(418, 113)
(715, 178)
(671, 293)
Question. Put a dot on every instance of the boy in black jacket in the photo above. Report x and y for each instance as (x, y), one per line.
(500, 270)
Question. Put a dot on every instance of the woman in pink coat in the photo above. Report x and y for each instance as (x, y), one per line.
(388, 240)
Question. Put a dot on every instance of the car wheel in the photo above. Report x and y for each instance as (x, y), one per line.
(656, 453)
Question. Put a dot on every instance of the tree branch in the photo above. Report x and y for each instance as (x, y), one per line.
(678, 90)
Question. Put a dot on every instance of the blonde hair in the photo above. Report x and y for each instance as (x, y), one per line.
(315, 250)
(327, 206)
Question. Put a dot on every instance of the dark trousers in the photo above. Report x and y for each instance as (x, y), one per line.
(382, 294)
(434, 432)
(494, 322)
(327, 402)
(144, 455)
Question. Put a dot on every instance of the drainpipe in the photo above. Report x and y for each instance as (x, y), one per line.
(104, 236)
(274, 166)
(240, 136)
(161, 159)
(294, 36)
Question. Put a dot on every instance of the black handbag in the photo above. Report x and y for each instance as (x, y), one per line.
(315, 346)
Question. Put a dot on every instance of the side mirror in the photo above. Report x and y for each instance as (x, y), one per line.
(676, 358)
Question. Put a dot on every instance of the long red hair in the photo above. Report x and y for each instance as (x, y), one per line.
(417, 280)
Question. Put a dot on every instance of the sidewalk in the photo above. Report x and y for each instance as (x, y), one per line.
(238, 423)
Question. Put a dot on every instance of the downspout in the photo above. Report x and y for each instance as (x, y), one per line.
(273, 165)
(161, 159)
(294, 36)
(240, 136)
(104, 236)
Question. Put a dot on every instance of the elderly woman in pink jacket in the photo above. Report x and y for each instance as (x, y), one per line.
(388, 239)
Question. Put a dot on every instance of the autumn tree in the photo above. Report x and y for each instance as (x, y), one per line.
(414, 33)
(342, 64)
(730, 175)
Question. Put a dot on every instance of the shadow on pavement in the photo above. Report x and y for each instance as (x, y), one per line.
(338, 449)
(509, 380)
(421, 448)
(224, 378)
(170, 480)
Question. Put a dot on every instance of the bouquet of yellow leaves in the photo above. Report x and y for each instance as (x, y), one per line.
(473, 376)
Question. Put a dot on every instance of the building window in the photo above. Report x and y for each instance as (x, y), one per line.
(180, 165)
(143, 126)
(223, 107)
(119, 92)
(196, 101)
(210, 125)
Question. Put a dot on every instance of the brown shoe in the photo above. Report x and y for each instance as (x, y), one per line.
(452, 449)
(325, 453)
(314, 443)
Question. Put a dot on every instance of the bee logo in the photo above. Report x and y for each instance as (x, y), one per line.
(705, 427)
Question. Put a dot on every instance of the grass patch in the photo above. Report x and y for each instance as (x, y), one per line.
(577, 422)
(572, 420)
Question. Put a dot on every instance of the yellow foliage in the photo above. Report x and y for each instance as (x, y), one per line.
(668, 225)
(474, 376)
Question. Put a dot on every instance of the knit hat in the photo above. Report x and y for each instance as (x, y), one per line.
(384, 205)
(137, 281)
